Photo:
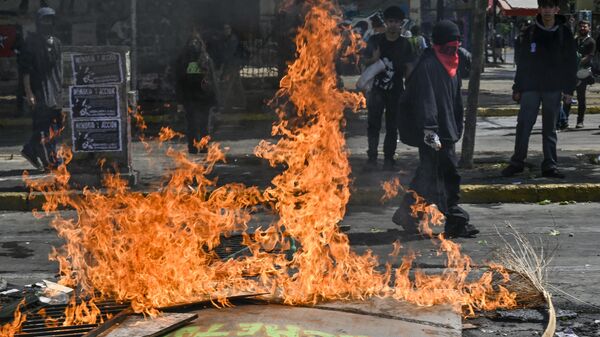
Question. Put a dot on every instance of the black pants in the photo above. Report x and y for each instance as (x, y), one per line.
(378, 103)
(438, 181)
(46, 127)
(581, 103)
(196, 114)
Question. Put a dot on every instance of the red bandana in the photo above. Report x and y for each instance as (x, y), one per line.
(448, 55)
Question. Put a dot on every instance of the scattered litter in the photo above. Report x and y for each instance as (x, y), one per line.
(54, 293)
(571, 235)
(55, 286)
(597, 321)
(567, 333)
(378, 230)
(544, 202)
(10, 291)
(482, 242)
(554, 232)
(568, 202)
(517, 183)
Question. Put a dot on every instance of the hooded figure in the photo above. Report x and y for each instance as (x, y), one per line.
(431, 118)
(195, 89)
(40, 63)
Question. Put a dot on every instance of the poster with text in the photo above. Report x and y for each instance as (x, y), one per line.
(101, 68)
(94, 102)
(97, 135)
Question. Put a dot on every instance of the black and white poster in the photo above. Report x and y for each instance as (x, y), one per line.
(97, 135)
(94, 102)
(101, 68)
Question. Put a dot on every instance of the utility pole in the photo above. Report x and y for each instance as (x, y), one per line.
(134, 47)
(478, 38)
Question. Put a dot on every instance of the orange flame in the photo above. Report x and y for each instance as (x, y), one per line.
(391, 189)
(157, 249)
(13, 328)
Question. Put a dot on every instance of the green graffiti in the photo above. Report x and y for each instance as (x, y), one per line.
(213, 331)
(273, 331)
(249, 329)
(189, 331)
(313, 333)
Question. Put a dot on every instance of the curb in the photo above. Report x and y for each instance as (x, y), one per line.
(470, 194)
(513, 111)
(253, 117)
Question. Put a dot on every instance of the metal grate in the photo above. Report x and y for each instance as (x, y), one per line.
(35, 325)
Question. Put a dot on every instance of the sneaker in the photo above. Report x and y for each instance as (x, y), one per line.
(389, 164)
(28, 154)
(553, 173)
(511, 170)
(579, 126)
(466, 231)
(563, 127)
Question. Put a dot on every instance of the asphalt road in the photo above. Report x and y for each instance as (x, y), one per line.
(25, 243)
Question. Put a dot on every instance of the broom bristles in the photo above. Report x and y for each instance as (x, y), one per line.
(528, 268)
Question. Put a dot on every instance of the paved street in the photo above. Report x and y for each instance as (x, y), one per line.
(25, 243)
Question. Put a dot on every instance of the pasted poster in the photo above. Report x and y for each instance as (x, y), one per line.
(100, 68)
(97, 135)
(94, 102)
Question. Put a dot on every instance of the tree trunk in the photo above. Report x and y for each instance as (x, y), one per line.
(478, 50)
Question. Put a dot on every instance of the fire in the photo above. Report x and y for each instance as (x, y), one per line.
(156, 249)
(13, 328)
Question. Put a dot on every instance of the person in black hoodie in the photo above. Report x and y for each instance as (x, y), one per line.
(431, 118)
(195, 89)
(546, 72)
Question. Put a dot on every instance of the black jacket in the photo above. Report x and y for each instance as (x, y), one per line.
(194, 78)
(547, 59)
(432, 100)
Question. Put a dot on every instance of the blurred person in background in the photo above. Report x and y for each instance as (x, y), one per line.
(195, 89)
(41, 64)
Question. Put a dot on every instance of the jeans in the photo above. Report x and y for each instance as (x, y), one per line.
(378, 102)
(530, 105)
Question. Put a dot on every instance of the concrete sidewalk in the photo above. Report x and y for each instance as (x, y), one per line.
(578, 152)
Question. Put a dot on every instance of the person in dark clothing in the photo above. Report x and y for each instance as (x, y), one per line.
(546, 72)
(431, 118)
(40, 62)
(195, 94)
(586, 47)
(396, 53)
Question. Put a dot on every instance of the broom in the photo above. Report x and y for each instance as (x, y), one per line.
(528, 268)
